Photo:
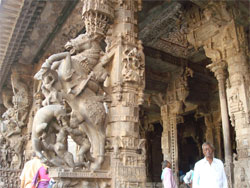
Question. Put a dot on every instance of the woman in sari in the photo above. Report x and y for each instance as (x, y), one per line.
(41, 179)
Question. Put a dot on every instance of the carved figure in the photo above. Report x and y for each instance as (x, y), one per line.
(133, 67)
(60, 148)
(48, 89)
(81, 74)
(15, 116)
(10, 123)
(20, 100)
(5, 150)
(83, 142)
(243, 183)
(44, 118)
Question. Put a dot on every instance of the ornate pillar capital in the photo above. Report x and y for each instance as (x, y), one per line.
(219, 70)
(97, 16)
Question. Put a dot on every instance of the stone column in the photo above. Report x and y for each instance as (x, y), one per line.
(219, 71)
(238, 97)
(166, 134)
(169, 137)
(127, 82)
(218, 68)
(217, 139)
(171, 108)
(209, 128)
(174, 120)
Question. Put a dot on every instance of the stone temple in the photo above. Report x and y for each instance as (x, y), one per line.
(104, 90)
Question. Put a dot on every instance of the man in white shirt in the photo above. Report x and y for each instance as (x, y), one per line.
(209, 172)
(188, 178)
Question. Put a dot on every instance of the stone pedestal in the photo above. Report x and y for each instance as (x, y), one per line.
(79, 179)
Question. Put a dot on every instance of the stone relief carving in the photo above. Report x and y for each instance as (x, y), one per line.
(77, 78)
(241, 180)
(14, 119)
(133, 69)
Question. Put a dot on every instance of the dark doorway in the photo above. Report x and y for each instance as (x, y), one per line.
(154, 155)
(190, 139)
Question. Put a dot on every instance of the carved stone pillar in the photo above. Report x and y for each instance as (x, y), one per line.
(239, 101)
(174, 120)
(169, 137)
(218, 68)
(166, 134)
(127, 84)
(171, 108)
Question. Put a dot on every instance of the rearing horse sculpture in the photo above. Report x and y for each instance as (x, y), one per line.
(81, 74)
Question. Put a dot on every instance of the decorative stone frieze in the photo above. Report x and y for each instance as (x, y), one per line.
(9, 178)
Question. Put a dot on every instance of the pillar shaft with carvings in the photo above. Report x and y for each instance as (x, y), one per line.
(171, 108)
(166, 134)
(169, 142)
(169, 137)
(127, 84)
(238, 98)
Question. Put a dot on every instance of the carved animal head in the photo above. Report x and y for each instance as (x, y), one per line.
(79, 44)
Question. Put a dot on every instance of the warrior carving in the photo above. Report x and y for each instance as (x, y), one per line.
(77, 77)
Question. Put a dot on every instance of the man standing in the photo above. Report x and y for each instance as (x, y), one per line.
(188, 178)
(209, 172)
(167, 175)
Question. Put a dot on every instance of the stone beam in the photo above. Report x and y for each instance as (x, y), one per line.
(199, 70)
